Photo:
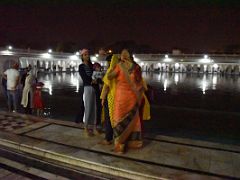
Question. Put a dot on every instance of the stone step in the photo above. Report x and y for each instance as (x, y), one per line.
(105, 163)
(83, 161)
(36, 167)
(162, 157)
(28, 170)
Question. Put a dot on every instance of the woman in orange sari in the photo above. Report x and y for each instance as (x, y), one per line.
(128, 97)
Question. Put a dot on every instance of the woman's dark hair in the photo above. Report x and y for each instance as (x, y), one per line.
(82, 58)
(89, 61)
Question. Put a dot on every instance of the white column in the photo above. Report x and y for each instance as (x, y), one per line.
(41, 63)
(64, 65)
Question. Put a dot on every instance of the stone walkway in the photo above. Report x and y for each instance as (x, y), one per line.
(7, 175)
(161, 157)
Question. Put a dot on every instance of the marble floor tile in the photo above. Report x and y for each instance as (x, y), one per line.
(197, 142)
(30, 127)
(236, 164)
(221, 156)
(74, 144)
(221, 168)
(159, 152)
(14, 177)
(4, 173)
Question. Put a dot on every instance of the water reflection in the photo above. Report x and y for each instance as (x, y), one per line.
(75, 82)
(48, 86)
(214, 82)
(204, 86)
(191, 83)
(176, 78)
(165, 84)
(61, 82)
(176, 82)
(212, 92)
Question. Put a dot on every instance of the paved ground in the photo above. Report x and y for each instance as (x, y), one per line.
(9, 123)
(161, 157)
(8, 175)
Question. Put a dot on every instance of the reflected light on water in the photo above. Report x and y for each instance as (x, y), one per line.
(48, 85)
(59, 78)
(159, 77)
(214, 82)
(176, 78)
(75, 82)
(204, 85)
(165, 84)
(183, 83)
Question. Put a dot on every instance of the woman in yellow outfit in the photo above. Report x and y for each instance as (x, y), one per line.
(144, 109)
(107, 96)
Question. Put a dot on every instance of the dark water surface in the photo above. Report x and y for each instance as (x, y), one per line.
(207, 92)
(198, 91)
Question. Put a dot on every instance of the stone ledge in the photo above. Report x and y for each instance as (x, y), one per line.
(30, 170)
(76, 161)
(214, 145)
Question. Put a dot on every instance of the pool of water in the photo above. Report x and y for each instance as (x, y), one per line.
(201, 91)
(210, 92)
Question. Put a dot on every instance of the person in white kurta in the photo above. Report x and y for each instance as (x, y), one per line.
(27, 94)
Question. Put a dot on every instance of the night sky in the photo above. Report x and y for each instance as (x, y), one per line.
(192, 27)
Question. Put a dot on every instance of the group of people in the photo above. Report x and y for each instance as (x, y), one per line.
(114, 101)
(22, 89)
(122, 103)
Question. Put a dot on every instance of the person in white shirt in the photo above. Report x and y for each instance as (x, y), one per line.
(12, 76)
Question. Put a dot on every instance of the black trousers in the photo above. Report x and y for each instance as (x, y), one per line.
(99, 107)
(107, 123)
(80, 114)
(98, 104)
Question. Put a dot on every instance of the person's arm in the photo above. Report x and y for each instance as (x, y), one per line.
(111, 75)
(104, 93)
(113, 72)
(5, 75)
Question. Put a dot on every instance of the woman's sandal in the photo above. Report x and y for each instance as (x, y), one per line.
(120, 148)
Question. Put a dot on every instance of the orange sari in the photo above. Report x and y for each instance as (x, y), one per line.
(128, 96)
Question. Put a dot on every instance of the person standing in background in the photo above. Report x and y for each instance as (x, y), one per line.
(89, 94)
(4, 87)
(12, 76)
(107, 96)
(37, 99)
(27, 94)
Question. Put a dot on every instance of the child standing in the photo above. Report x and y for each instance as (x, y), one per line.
(97, 73)
(37, 99)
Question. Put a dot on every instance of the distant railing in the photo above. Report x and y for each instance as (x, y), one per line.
(218, 58)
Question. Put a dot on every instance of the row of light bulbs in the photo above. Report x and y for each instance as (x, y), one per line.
(77, 53)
